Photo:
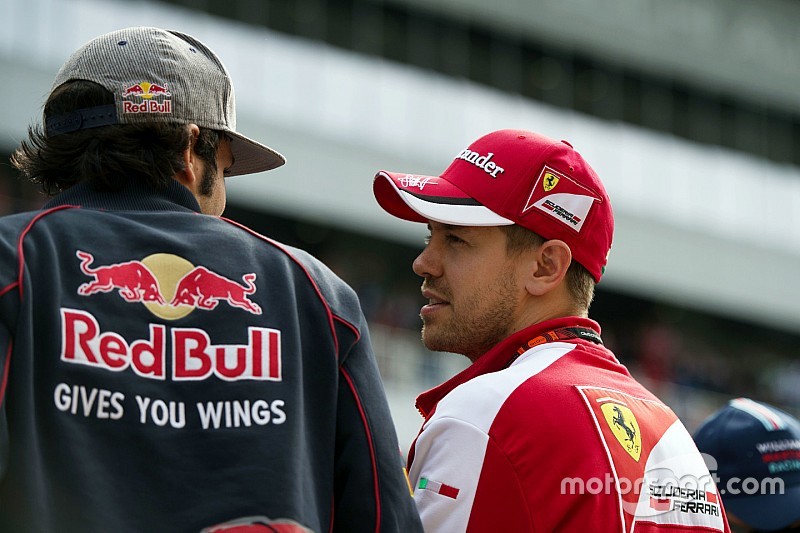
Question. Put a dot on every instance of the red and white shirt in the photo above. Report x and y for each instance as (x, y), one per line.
(560, 438)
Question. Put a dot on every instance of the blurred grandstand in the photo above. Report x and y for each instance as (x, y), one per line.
(688, 110)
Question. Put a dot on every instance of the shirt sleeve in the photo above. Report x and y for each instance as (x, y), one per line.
(463, 482)
(9, 307)
(5, 367)
(372, 490)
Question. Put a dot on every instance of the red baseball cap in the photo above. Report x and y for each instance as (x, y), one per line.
(512, 177)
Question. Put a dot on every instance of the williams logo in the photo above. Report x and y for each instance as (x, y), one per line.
(625, 428)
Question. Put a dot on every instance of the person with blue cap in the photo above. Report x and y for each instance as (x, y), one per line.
(756, 448)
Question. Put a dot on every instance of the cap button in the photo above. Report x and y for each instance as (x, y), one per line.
(567, 143)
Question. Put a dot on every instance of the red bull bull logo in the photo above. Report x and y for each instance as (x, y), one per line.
(134, 281)
(169, 286)
(146, 91)
(205, 289)
(135, 89)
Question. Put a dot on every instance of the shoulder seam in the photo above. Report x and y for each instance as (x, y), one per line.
(24, 233)
(370, 444)
(296, 261)
(9, 288)
(6, 368)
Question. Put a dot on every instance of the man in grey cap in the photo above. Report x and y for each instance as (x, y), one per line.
(163, 368)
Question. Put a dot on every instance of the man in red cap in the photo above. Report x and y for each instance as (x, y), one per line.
(546, 430)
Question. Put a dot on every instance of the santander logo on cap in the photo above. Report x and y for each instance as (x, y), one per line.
(483, 162)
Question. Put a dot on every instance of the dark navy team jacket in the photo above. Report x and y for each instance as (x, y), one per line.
(164, 370)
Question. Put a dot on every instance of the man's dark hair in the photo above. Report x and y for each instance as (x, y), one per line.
(579, 282)
(107, 156)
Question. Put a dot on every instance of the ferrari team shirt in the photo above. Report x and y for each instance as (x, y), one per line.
(560, 438)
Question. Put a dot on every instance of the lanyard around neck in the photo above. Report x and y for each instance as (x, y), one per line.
(559, 334)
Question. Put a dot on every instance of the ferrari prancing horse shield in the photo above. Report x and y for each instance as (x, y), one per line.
(550, 181)
(625, 428)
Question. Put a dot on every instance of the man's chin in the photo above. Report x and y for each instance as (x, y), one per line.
(431, 340)
(436, 343)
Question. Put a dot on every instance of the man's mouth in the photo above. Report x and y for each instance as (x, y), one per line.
(435, 302)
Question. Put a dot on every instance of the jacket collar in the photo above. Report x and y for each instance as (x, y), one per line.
(132, 197)
(498, 357)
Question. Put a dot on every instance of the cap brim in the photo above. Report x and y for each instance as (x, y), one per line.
(766, 511)
(423, 198)
(250, 156)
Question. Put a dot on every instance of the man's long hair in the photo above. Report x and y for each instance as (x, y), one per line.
(108, 156)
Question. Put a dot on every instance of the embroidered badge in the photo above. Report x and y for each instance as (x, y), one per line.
(439, 488)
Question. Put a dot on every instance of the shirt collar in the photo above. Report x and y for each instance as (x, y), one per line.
(498, 357)
(132, 197)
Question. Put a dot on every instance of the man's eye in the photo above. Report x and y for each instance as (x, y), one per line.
(453, 239)
(428, 239)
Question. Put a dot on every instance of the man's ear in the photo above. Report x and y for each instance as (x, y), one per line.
(548, 266)
(190, 175)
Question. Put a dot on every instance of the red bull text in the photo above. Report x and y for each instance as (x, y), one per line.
(148, 106)
(190, 352)
(146, 91)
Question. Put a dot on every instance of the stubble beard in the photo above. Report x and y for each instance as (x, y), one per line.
(481, 320)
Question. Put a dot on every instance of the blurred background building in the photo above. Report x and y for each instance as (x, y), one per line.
(689, 111)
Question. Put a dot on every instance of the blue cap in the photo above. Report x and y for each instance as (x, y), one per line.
(757, 451)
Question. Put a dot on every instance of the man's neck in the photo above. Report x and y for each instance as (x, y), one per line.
(543, 309)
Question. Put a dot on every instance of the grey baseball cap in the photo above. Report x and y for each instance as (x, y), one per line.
(160, 75)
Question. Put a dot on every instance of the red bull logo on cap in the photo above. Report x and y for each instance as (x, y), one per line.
(141, 98)
(145, 90)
